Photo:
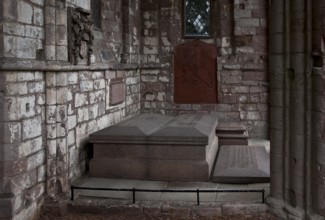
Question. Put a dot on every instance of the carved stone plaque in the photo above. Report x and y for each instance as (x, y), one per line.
(195, 73)
(116, 91)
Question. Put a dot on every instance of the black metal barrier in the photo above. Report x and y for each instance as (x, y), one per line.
(197, 191)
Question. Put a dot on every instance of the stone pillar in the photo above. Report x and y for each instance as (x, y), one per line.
(56, 132)
(297, 173)
(56, 42)
(318, 143)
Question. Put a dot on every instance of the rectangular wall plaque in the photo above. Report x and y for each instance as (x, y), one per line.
(116, 91)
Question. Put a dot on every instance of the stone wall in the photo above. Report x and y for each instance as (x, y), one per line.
(47, 119)
(241, 38)
(48, 106)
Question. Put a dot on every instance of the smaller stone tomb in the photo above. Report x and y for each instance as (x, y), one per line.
(156, 147)
(242, 164)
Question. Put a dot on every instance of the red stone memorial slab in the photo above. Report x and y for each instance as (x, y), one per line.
(195, 73)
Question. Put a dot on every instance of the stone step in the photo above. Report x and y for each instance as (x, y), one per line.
(232, 139)
(230, 128)
(242, 164)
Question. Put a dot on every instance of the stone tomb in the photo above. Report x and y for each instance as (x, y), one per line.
(156, 147)
(242, 164)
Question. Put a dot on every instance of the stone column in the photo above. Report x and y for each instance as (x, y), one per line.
(56, 131)
(56, 42)
(297, 173)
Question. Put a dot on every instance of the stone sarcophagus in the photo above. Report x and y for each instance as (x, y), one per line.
(156, 147)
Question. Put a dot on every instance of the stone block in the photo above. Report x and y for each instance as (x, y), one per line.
(240, 89)
(36, 160)
(149, 78)
(61, 129)
(83, 114)
(41, 173)
(99, 84)
(9, 10)
(231, 79)
(110, 74)
(207, 211)
(258, 89)
(61, 17)
(36, 87)
(49, 35)
(150, 50)
(72, 122)
(50, 52)
(242, 13)
(98, 96)
(72, 78)
(229, 99)
(61, 36)
(49, 15)
(32, 127)
(30, 147)
(16, 88)
(93, 112)
(62, 53)
(38, 18)
(11, 132)
(21, 107)
(35, 193)
(10, 46)
(12, 28)
(247, 22)
(62, 95)
(86, 86)
(71, 139)
(81, 99)
(26, 47)
(25, 12)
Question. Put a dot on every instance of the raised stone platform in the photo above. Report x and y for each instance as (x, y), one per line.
(156, 147)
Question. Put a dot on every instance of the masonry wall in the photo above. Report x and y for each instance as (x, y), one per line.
(48, 106)
(239, 31)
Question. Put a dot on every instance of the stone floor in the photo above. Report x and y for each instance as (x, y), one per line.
(252, 197)
(99, 205)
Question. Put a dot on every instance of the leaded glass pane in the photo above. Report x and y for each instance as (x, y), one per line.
(196, 18)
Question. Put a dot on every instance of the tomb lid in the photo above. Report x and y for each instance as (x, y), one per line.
(193, 129)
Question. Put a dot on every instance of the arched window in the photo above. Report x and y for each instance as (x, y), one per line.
(196, 18)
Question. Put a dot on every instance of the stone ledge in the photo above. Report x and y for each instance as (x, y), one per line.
(9, 64)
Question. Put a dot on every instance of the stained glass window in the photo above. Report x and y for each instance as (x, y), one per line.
(196, 18)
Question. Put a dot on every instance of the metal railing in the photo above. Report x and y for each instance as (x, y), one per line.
(197, 191)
